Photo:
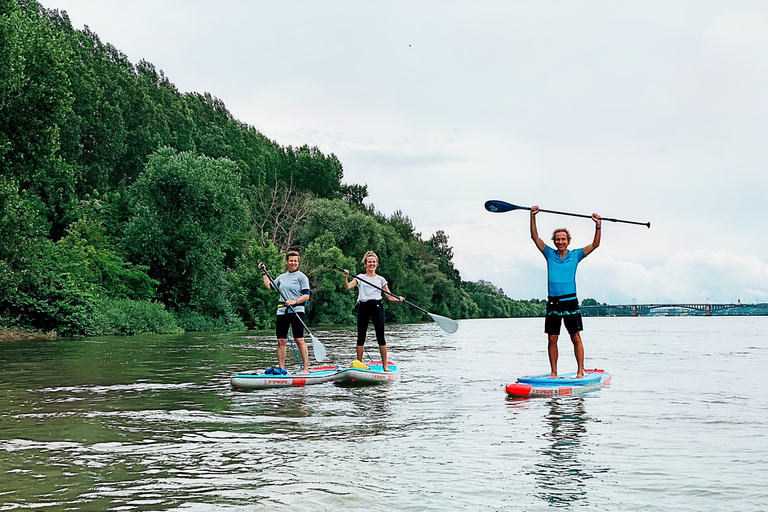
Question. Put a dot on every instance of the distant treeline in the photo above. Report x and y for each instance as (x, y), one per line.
(128, 207)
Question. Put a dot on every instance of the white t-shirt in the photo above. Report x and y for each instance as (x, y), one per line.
(366, 292)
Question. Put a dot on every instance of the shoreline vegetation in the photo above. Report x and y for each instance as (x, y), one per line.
(21, 335)
(128, 207)
(592, 310)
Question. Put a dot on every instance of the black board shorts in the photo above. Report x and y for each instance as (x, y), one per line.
(292, 320)
(565, 308)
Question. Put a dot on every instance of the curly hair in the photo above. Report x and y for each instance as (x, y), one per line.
(558, 230)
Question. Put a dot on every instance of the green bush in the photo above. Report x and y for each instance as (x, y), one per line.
(129, 317)
(48, 293)
(197, 322)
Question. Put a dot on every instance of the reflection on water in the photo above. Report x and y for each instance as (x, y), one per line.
(561, 468)
(560, 474)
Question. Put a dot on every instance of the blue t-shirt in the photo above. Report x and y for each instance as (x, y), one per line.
(293, 285)
(561, 273)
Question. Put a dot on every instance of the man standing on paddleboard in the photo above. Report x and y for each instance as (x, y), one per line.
(294, 286)
(562, 302)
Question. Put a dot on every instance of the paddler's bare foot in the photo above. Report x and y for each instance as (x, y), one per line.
(386, 368)
(304, 373)
(580, 375)
(553, 375)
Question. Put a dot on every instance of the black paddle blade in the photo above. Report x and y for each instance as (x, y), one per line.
(502, 206)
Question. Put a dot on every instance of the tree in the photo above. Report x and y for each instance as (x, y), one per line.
(444, 252)
(310, 170)
(250, 298)
(117, 189)
(54, 291)
(34, 101)
(34, 92)
(329, 302)
(186, 211)
(354, 232)
(354, 194)
(114, 278)
(277, 211)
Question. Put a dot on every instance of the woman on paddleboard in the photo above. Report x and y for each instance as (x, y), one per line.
(370, 304)
(294, 286)
(562, 302)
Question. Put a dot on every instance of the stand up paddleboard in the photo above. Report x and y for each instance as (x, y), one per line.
(562, 385)
(245, 381)
(359, 374)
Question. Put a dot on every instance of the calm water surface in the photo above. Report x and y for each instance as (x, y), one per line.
(150, 423)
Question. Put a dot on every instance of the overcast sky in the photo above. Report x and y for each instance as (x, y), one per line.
(654, 111)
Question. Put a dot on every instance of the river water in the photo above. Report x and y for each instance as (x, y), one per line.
(150, 423)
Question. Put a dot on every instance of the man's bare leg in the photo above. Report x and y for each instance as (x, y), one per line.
(552, 350)
(578, 351)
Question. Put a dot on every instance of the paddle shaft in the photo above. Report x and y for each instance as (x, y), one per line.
(295, 353)
(609, 219)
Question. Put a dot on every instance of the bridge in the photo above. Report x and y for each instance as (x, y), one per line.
(707, 309)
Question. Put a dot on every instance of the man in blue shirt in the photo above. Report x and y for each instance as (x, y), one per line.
(562, 302)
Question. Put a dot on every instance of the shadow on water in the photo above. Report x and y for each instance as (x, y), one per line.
(561, 468)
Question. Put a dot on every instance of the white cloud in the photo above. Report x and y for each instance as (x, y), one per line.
(698, 276)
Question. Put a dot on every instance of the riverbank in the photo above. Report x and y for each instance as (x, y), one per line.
(19, 335)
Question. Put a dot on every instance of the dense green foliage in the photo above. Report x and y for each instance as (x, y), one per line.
(494, 304)
(128, 207)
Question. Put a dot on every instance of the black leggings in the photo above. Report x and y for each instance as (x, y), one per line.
(373, 311)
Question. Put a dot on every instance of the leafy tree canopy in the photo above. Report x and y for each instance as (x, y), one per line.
(127, 206)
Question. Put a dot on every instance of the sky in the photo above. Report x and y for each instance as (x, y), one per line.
(652, 111)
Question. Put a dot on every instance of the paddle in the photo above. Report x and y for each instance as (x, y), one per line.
(448, 325)
(298, 359)
(317, 347)
(503, 207)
